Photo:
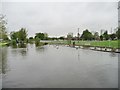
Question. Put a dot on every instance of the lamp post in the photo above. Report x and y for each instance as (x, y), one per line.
(78, 35)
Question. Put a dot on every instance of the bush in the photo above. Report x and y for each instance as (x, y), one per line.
(37, 41)
(13, 42)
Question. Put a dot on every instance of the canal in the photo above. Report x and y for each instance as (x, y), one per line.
(53, 66)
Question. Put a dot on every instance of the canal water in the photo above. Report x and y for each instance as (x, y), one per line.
(53, 66)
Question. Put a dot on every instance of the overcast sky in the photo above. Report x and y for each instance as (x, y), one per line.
(60, 18)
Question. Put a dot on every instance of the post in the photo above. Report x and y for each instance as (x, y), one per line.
(78, 35)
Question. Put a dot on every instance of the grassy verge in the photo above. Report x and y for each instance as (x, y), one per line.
(111, 44)
(3, 44)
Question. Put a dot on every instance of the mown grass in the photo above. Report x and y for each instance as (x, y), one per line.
(111, 44)
(3, 43)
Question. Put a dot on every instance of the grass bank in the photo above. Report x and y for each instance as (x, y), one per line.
(3, 43)
(110, 44)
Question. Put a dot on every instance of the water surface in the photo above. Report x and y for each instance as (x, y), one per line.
(58, 67)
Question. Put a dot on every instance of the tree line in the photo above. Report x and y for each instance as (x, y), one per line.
(87, 35)
(21, 35)
(3, 32)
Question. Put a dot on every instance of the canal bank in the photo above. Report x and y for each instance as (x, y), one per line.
(3, 43)
(95, 48)
(98, 48)
(105, 46)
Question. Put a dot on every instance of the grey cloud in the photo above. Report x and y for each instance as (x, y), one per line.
(60, 18)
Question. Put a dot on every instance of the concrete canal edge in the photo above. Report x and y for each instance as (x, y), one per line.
(96, 48)
(91, 47)
(99, 48)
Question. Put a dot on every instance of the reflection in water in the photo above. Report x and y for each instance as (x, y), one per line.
(112, 54)
(78, 55)
(22, 45)
(19, 45)
(14, 46)
(3, 60)
(14, 51)
(23, 52)
(40, 49)
(47, 66)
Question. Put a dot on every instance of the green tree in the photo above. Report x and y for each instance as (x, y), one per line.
(101, 37)
(86, 35)
(112, 36)
(31, 38)
(45, 36)
(37, 41)
(69, 37)
(22, 34)
(62, 38)
(96, 36)
(40, 36)
(105, 35)
(118, 33)
(19, 36)
(3, 32)
(14, 35)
